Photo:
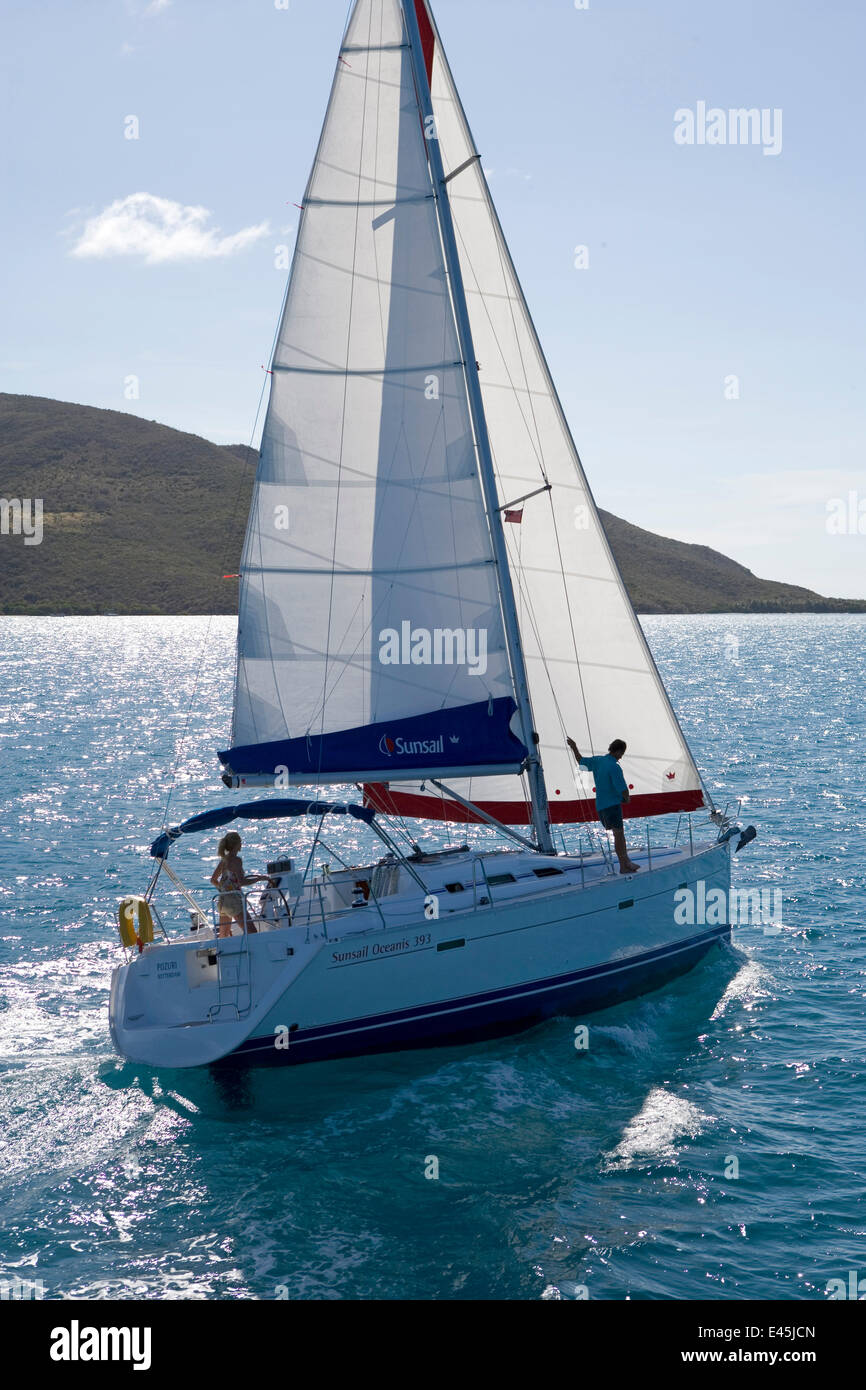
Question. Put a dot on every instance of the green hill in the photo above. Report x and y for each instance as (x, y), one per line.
(138, 517)
(141, 518)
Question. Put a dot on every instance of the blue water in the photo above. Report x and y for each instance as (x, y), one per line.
(608, 1169)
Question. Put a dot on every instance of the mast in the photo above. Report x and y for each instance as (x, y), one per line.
(535, 771)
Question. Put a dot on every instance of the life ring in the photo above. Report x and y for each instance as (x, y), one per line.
(135, 923)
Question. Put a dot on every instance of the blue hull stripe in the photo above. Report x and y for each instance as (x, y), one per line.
(487, 1014)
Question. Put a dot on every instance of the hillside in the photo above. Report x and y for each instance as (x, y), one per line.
(141, 518)
(138, 517)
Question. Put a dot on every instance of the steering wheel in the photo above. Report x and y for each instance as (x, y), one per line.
(270, 888)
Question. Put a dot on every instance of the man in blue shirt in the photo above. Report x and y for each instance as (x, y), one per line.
(611, 794)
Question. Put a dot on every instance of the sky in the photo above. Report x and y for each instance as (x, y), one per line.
(708, 342)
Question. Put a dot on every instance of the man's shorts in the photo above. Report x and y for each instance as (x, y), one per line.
(611, 817)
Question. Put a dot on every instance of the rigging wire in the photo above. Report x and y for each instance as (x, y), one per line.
(349, 323)
(514, 297)
(507, 271)
(524, 592)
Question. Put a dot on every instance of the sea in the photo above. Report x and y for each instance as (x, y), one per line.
(707, 1143)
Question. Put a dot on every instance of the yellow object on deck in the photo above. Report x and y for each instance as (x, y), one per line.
(135, 922)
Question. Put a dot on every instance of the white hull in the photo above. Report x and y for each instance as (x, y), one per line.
(363, 982)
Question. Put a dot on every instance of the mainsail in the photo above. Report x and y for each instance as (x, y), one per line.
(591, 674)
(369, 577)
(370, 635)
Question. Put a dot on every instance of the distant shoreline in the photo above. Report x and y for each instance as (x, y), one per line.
(140, 520)
(856, 612)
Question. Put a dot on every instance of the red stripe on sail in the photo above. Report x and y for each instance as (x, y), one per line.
(428, 38)
(393, 803)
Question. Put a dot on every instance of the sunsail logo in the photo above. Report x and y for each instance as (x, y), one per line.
(76, 1343)
(439, 646)
(404, 747)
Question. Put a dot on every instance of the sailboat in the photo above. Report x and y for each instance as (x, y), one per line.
(429, 608)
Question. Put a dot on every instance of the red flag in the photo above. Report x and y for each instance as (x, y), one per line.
(515, 517)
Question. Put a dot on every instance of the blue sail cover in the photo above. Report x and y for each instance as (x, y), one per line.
(254, 810)
(471, 740)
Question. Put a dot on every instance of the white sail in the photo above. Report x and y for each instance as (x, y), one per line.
(590, 671)
(369, 591)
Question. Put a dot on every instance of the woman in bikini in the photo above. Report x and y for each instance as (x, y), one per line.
(229, 878)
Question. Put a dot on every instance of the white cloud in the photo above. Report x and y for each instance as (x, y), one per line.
(159, 230)
(156, 6)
